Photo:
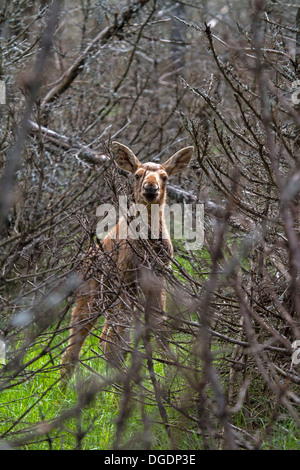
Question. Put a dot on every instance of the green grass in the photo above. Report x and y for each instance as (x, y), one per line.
(35, 398)
(285, 436)
(39, 399)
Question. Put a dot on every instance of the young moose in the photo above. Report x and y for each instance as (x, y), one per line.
(121, 267)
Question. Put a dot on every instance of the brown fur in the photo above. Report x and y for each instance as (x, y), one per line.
(119, 267)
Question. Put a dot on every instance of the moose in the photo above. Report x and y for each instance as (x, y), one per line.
(117, 269)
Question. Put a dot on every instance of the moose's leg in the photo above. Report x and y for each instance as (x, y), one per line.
(115, 333)
(155, 308)
(84, 317)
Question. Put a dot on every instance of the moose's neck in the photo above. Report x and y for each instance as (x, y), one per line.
(156, 221)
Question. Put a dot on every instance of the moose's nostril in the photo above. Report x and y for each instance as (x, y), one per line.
(150, 188)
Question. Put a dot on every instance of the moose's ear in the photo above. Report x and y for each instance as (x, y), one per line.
(179, 161)
(124, 157)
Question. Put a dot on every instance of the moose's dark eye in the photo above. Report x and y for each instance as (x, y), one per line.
(164, 177)
(137, 176)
